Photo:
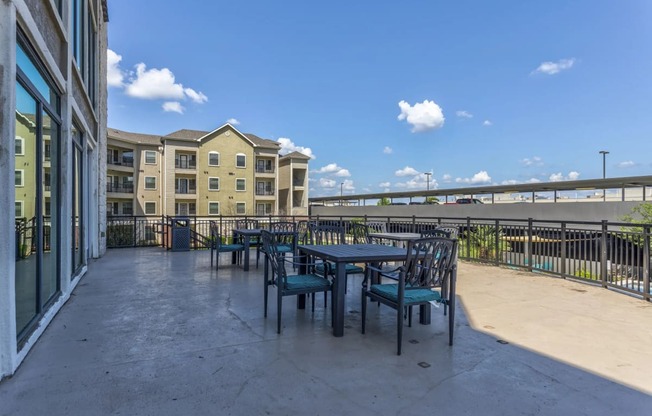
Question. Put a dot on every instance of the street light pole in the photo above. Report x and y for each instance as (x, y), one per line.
(604, 154)
(341, 193)
(428, 174)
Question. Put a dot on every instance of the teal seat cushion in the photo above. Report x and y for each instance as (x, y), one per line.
(390, 291)
(307, 281)
(350, 268)
(231, 247)
(284, 248)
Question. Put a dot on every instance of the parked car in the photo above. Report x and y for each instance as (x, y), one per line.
(466, 201)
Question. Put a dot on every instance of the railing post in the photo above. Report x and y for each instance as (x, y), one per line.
(414, 223)
(563, 250)
(603, 254)
(646, 263)
(498, 245)
(530, 230)
(135, 223)
(468, 237)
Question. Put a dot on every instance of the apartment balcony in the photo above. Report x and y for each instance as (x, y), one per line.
(185, 165)
(298, 184)
(137, 339)
(265, 170)
(120, 165)
(121, 189)
(265, 192)
(185, 193)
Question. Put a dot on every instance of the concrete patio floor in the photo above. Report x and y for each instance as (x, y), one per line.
(150, 332)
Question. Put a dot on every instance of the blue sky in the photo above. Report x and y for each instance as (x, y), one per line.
(475, 92)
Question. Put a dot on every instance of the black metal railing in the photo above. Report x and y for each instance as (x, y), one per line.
(610, 254)
(266, 191)
(185, 191)
(182, 164)
(111, 187)
(262, 169)
(123, 162)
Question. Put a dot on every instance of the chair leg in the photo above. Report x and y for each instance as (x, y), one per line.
(313, 302)
(364, 310)
(399, 329)
(279, 309)
(451, 322)
(266, 291)
(410, 316)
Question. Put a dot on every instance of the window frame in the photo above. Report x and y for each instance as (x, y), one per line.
(20, 140)
(145, 207)
(209, 183)
(155, 158)
(145, 183)
(244, 188)
(22, 178)
(209, 158)
(209, 207)
(236, 160)
(244, 210)
(22, 208)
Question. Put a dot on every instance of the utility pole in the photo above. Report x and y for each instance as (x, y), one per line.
(428, 174)
(604, 154)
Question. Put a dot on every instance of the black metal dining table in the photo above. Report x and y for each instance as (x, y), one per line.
(341, 254)
(246, 234)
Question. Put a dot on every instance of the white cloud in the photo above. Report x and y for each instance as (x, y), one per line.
(348, 185)
(422, 116)
(384, 184)
(326, 183)
(480, 177)
(626, 164)
(406, 171)
(343, 173)
(153, 84)
(463, 114)
(114, 75)
(195, 96)
(533, 161)
(552, 68)
(487, 123)
(173, 106)
(388, 150)
(419, 181)
(446, 178)
(330, 168)
(510, 182)
(533, 180)
(557, 177)
(233, 121)
(288, 146)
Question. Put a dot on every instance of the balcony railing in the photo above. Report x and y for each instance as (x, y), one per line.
(123, 162)
(127, 189)
(265, 191)
(298, 182)
(264, 169)
(190, 191)
(185, 164)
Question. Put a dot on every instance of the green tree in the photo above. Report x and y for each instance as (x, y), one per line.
(640, 214)
(480, 243)
(383, 201)
(431, 199)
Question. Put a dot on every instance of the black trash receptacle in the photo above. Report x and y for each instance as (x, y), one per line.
(180, 233)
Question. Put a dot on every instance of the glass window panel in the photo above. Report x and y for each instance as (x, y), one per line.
(240, 161)
(50, 195)
(35, 76)
(150, 208)
(150, 157)
(240, 185)
(240, 208)
(214, 208)
(214, 159)
(77, 204)
(214, 184)
(150, 182)
(26, 244)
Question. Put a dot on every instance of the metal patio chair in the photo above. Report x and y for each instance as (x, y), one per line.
(217, 245)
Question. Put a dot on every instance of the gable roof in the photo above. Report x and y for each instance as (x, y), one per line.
(185, 134)
(136, 138)
(199, 135)
(295, 155)
(263, 142)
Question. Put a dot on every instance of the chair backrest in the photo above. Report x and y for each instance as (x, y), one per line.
(327, 234)
(246, 224)
(376, 227)
(285, 232)
(276, 260)
(429, 262)
(452, 230)
(435, 232)
(216, 235)
(360, 233)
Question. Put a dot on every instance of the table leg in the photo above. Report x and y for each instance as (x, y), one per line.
(424, 314)
(247, 240)
(338, 300)
(303, 269)
(234, 254)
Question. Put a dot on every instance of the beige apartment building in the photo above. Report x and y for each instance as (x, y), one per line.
(200, 173)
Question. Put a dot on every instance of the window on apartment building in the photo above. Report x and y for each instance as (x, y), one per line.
(263, 209)
(240, 160)
(20, 146)
(150, 182)
(112, 208)
(128, 157)
(112, 156)
(185, 186)
(127, 208)
(150, 208)
(19, 209)
(19, 177)
(150, 157)
(213, 184)
(213, 208)
(240, 208)
(185, 161)
(84, 40)
(213, 159)
(240, 185)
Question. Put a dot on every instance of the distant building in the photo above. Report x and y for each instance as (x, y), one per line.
(52, 150)
(201, 173)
